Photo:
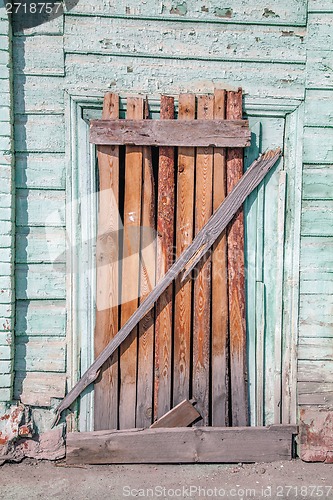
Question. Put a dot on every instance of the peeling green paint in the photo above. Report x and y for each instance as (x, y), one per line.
(223, 12)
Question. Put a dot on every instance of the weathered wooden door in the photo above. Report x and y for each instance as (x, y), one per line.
(152, 203)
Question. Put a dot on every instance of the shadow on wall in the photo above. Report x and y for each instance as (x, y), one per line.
(31, 16)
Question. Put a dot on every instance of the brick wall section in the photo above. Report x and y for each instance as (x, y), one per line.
(7, 221)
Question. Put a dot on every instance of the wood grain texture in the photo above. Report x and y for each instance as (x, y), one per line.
(165, 236)
(185, 263)
(130, 271)
(182, 415)
(169, 133)
(107, 278)
(144, 409)
(202, 283)
(184, 236)
(181, 445)
(236, 283)
(219, 358)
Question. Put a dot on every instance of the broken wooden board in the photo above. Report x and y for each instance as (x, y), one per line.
(200, 133)
(182, 445)
(182, 415)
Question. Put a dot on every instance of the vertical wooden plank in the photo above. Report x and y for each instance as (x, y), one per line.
(165, 235)
(184, 236)
(236, 283)
(202, 284)
(278, 345)
(106, 386)
(219, 376)
(144, 410)
(130, 271)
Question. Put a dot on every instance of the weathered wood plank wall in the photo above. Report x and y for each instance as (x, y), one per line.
(266, 48)
(315, 356)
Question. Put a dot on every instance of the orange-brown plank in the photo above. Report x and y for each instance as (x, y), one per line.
(106, 386)
(184, 236)
(165, 230)
(236, 281)
(219, 379)
(144, 405)
(130, 271)
(202, 284)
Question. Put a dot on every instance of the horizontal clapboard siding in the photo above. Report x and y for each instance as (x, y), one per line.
(40, 207)
(317, 218)
(40, 244)
(40, 281)
(40, 355)
(235, 11)
(41, 318)
(39, 133)
(38, 94)
(175, 75)
(40, 170)
(146, 38)
(38, 55)
(317, 182)
(36, 389)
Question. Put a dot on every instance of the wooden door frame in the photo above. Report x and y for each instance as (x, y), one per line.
(80, 175)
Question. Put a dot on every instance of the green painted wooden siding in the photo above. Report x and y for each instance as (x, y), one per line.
(275, 51)
(315, 374)
(7, 225)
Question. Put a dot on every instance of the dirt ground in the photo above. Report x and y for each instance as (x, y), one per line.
(279, 480)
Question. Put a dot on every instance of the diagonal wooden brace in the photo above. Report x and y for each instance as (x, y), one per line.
(184, 264)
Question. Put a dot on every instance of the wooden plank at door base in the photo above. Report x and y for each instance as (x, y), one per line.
(106, 326)
(130, 272)
(164, 306)
(182, 415)
(219, 133)
(236, 280)
(182, 445)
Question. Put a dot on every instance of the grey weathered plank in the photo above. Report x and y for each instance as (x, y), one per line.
(185, 263)
(315, 393)
(187, 445)
(182, 415)
(219, 133)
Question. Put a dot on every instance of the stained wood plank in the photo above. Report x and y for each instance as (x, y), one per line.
(182, 445)
(184, 236)
(219, 358)
(182, 415)
(202, 283)
(168, 133)
(130, 271)
(236, 284)
(144, 409)
(165, 232)
(185, 263)
(107, 278)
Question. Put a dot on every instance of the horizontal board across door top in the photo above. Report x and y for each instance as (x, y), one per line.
(218, 133)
